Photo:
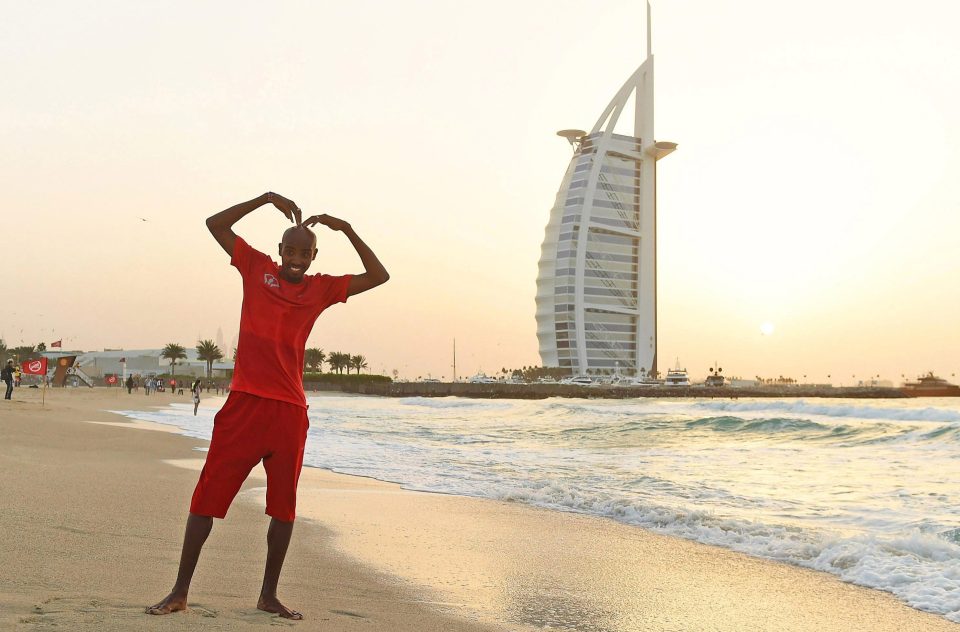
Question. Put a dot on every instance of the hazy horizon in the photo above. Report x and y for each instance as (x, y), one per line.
(812, 188)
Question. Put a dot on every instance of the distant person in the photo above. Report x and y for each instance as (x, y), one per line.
(195, 389)
(179, 387)
(17, 376)
(173, 387)
(129, 384)
(265, 417)
(6, 374)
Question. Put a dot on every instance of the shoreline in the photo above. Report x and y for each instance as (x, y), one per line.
(449, 562)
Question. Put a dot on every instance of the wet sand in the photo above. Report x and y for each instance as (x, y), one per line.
(96, 512)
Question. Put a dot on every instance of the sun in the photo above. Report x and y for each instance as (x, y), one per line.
(766, 328)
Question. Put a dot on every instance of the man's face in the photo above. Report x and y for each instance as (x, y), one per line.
(297, 250)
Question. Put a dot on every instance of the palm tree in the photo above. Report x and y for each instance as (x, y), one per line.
(209, 352)
(173, 352)
(3, 347)
(358, 362)
(23, 352)
(339, 361)
(314, 358)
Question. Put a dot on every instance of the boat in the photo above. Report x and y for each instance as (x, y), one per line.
(677, 376)
(644, 381)
(716, 377)
(482, 378)
(714, 380)
(619, 380)
(580, 380)
(930, 385)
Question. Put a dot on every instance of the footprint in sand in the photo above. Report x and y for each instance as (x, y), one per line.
(78, 613)
(347, 613)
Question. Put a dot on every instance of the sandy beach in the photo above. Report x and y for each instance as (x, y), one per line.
(95, 506)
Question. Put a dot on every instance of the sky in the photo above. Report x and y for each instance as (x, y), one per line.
(814, 194)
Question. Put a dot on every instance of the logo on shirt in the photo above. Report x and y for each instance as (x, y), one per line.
(270, 281)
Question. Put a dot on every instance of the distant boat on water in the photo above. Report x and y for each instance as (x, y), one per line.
(579, 380)
(716, 377)
(677, 376)
(930, 385)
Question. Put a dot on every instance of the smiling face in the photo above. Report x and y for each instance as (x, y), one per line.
(297, 250)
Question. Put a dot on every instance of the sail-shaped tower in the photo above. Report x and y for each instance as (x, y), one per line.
(597, 281)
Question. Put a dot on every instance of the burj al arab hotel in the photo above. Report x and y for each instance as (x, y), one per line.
(597, 282)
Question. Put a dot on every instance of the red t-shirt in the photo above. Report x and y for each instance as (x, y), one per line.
(275, 320)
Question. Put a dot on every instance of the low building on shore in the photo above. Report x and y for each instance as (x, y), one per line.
(143, 362)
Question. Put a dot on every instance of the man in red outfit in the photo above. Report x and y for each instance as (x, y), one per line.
(265, 416)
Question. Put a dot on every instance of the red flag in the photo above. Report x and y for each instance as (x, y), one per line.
(58, 343)
(35, 367)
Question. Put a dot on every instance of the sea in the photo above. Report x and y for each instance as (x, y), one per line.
(868, 490)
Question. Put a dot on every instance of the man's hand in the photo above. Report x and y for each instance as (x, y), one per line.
(287, 207)
(221, 224)
(330, 222)
(374, 273)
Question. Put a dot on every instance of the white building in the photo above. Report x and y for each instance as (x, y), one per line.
(597, 282)
(147, 362)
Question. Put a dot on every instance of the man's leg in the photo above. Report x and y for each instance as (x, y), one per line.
(198, 528)
(288, 436)
(278, 539)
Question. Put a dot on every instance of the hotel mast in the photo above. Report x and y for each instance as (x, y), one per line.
(597, 282)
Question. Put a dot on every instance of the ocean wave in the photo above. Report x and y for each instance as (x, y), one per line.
(832, 409)
(453, 402)
(774, 425)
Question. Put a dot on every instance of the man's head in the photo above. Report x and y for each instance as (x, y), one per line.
(297, 249)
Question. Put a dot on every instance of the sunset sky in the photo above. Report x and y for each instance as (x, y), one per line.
(815, 187)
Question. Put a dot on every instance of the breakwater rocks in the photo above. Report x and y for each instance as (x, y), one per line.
(543, 391)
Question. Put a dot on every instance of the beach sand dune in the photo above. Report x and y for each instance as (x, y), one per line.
(93, 517)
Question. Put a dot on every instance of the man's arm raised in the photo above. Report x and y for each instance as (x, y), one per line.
(221, 224)
(374, 272)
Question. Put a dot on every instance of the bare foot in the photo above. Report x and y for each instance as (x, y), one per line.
(273, 605)
(171, 603)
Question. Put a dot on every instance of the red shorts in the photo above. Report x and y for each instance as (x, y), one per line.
(249, 429)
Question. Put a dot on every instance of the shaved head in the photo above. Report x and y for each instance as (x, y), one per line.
(299, 236)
